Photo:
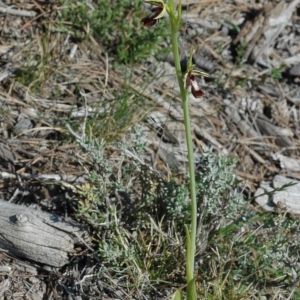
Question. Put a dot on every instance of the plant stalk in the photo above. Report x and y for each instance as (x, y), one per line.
(191, 165)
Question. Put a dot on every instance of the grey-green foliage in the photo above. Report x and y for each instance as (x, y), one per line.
(257, 250)
(260, 249)
(271, 245)
(217, 187)
(217, 192)
(162, 199)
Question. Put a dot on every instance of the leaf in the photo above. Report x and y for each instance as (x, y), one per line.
(234, 26)
(177, 295)
(191, 290)
(189, 267)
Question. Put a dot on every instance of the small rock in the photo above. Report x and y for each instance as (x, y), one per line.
(295, 70)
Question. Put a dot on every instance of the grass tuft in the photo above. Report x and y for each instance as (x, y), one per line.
(116, 26)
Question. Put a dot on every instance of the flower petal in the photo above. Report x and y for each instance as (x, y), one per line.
(157, 13)
(200, 73)
(160, 15)
(186, 80)
(160, 8)
(156, 3)
(148, 21)
(196, 91)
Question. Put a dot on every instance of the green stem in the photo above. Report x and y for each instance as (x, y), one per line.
(184, 95)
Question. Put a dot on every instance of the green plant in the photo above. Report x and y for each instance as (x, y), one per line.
(217, 187)
(164, 200)
(148, 249)
(38, 66)
(276, 72)
(131, 245)
(247, 251)
(241, 49)
(189, 78)
(258, 252)
(148, 257)
(115, 26)
(113, 119)
(232, 25)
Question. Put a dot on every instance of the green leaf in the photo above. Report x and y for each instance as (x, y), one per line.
(177, 295)
(191, 290)
(189, 268)
(234, 26)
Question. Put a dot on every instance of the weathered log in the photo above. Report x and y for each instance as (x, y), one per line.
(39, 236)
(287, 198)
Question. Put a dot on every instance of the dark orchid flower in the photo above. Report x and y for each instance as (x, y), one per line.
(191, 79)
(157, 13)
